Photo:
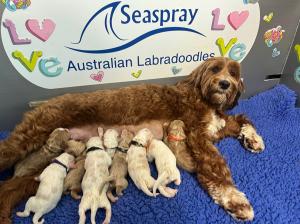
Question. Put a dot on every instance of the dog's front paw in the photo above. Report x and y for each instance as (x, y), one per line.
(251, 140)
(237, 205)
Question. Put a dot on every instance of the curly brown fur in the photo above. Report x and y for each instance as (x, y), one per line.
(119, 167)
(12, 192)
(199, 100)
(55, 145)
(175, 138)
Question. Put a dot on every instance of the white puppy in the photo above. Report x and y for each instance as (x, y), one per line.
(50, 188)
(165, 162)
(94, 184)
(111, 141)
(138, 167)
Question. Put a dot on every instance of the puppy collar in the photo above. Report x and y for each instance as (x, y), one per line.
(124, 150)
(175, 138)
(135, 143)
(94, 148)
(61, 164)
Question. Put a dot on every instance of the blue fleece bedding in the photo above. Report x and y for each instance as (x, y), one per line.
(271, 180)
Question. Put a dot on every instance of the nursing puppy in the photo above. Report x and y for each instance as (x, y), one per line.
(165, 162)
(74, 177)
(75, 148)
(119, 167)
(111, 141)
(38, 160)
(50, 188)
(73, 180)
(175, 139)
(138, 166)
(94, 184)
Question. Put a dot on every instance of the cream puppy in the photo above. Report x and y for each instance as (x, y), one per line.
(94, 184)
(50, 188)
(138, 166)
(165, 162)
(111, 141)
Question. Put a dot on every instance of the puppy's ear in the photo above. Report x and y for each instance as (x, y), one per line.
(100, 132)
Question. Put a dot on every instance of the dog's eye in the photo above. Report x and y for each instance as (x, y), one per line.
(233, 73)
(215, 69)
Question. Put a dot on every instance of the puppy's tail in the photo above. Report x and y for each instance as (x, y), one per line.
(160, 180)
(145, 189)
(13, 191)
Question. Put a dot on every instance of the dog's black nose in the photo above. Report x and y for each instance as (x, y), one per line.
(224, 84)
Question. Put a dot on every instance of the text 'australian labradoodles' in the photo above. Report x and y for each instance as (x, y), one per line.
(199, 100)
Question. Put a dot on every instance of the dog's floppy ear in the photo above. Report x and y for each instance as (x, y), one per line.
(241, 89)
(194, 79)
(241, 86)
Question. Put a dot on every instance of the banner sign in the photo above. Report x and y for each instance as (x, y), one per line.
(59, 44)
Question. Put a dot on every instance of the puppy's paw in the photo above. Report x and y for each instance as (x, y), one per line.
(167, 191)
(237, 205)
(251, 140)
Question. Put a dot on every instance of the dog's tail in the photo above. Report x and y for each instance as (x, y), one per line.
(145, 189)
(13, 191)
(160, 180)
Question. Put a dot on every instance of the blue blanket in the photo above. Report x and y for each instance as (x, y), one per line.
(271, 180)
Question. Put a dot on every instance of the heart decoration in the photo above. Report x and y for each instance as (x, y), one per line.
(275, 53)
(269, 17)
(97, 77)
(175, 70)
(236, 19)
(136, 74)
(43, 32)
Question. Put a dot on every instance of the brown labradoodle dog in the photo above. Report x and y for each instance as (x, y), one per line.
(199, 100)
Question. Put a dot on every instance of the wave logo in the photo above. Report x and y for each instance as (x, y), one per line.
(164, 18)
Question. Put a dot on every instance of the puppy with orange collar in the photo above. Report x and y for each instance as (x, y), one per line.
(175, 139)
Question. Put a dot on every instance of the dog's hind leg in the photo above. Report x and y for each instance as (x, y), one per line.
(36, 218)
(94, 209)
(145, 189)
(12, 192)
(81, 213)
(107, 207)
(28, 208)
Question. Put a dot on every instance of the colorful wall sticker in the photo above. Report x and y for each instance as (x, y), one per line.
(98, 77)
(297, 75)
(13, 5)
(250, 1)
(297, 49)
(269, 17)
(273, 36)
